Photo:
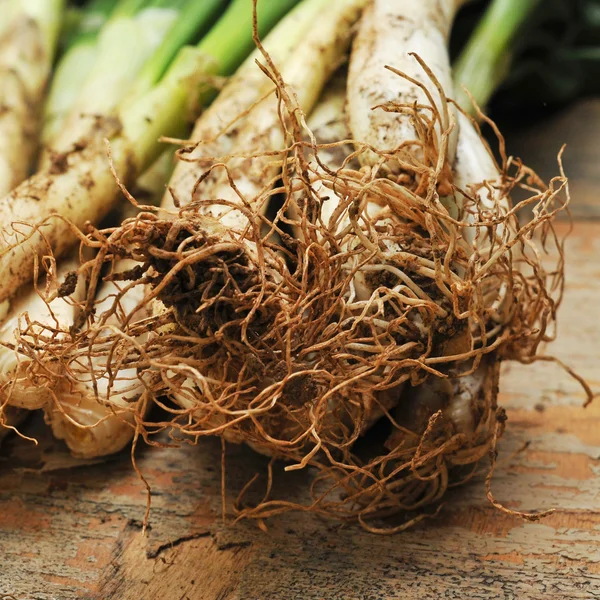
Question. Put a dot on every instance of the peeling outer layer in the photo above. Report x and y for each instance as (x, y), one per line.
(47, 210)
(35, 318)
(390, 32)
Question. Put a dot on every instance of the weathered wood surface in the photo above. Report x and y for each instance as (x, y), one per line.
(73, 533)
(538, 143)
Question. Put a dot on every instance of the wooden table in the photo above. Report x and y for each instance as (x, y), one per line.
(74, 533)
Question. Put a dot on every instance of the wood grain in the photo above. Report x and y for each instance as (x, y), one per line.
(68, 533)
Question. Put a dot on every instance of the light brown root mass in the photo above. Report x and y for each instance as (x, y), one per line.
(272, 341)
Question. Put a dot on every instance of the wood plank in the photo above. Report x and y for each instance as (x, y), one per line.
(75, 533)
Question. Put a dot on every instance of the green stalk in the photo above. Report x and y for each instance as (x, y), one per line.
(148, 38)
(165, 111)
(485, 60)
(236, 24)
(194, 17)
(80, 52)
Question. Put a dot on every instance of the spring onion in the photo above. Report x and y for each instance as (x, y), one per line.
(306, 73)
(35, 312)
(77, 60)
(391, 31)
(95, 415)
(28, 37)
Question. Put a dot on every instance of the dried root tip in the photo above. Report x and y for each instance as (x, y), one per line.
(27, 387)
(10, 419)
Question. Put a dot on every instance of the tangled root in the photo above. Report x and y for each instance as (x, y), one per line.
(363, 344)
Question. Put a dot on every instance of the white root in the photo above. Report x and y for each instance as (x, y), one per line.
(389, 32)
(305, 74)
(96, 417)
(476, 173)
(80, 188)
(329, 124)
(458, 398)
(462, 402)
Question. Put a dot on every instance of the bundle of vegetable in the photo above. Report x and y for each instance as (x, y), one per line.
(310, 71)
(393, 278)
(121, 97)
